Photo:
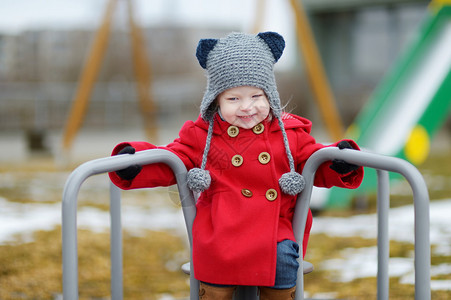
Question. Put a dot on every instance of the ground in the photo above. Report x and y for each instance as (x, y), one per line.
(30, 257)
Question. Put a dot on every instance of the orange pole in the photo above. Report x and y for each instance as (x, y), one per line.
(259, 16)
(316, 73)
(87, 78)
(143, 76)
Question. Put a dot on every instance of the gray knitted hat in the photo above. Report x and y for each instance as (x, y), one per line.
(241, 60)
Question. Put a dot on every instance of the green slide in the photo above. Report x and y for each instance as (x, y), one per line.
(409, 106)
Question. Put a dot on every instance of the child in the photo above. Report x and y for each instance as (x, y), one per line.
(244, 155)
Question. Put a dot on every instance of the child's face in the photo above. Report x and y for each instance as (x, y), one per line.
(244, 106)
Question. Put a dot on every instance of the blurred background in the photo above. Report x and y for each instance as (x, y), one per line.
(44, 46)
(78, 77)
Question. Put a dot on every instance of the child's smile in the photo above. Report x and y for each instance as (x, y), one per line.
(244, 106)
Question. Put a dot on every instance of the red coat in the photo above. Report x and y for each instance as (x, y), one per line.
(236, 228)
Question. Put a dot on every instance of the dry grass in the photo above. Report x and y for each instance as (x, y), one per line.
(151, 266)
(33, 270)
(319, 282)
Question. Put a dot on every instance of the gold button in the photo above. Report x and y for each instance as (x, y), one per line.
(233, 131)
(258, 128)
(264, 158)
(237, 160)
(271, 194)
(246, 193)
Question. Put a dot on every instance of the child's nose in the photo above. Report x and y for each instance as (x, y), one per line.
(246, 104)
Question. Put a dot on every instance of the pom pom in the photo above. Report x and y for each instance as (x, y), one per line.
(198, 180)
(292, 183)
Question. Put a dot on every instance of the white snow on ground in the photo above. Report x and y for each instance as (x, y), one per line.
(361, 262)
(18, 218)
(23, 219)
(401, 225)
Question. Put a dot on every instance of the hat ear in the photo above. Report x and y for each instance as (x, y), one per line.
(275, 42)
(203, 48)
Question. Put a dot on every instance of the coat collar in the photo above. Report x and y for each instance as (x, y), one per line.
(290, 121)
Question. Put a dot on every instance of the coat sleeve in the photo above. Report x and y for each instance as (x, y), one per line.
(185, 147)
(325, 176)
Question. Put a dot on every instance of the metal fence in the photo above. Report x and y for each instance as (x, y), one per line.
(383, 165)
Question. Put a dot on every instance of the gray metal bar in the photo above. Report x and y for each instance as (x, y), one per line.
(117, 292)
(380, 162)
(111, 164)
(383, 206)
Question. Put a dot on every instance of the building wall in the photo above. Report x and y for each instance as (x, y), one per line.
(39, 74)
(359, 44)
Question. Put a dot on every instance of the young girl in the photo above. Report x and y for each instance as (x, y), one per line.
(244, 156)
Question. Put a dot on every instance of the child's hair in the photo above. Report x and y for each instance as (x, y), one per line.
(241, 60)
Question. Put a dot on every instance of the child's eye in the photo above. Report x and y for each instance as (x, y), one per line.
(257, 96)
(232, 98)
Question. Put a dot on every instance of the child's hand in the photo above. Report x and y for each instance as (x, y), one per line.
(130, 172)
(340, 166)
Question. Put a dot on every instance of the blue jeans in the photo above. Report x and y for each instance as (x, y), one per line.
(286, 268)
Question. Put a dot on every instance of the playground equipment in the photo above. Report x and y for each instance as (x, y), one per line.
(316, 73)
(400, 119)
(410, 105)
(383, 164)
(142, 69)
(91, 69)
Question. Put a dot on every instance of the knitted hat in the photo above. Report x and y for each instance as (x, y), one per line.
(241, 60)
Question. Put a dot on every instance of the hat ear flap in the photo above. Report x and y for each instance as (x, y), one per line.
(203, 48)
(275, 42)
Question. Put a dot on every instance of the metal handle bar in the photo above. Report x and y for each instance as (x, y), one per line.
(111, 164)
(379, 162)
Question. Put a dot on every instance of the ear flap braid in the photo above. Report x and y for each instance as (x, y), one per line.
(239, 60)
(199, 179)
(291, 183)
